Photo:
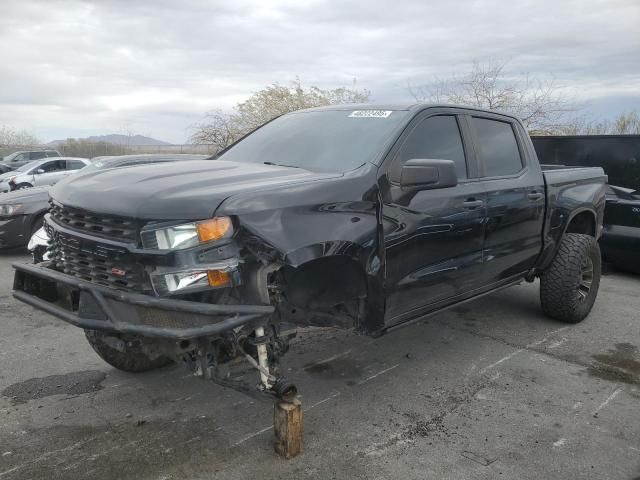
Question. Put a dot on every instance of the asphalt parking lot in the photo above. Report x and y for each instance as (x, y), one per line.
(491, 389)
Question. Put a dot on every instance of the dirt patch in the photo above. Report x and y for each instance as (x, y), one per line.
(620, 364)
(75, 383)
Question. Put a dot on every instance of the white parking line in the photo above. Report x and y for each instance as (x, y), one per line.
(613, 395)
(517, 352)
(378, 374)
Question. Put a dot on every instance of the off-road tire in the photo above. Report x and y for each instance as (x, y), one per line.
(133, 360)
(569, 287)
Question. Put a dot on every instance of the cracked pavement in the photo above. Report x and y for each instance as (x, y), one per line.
(490, 389)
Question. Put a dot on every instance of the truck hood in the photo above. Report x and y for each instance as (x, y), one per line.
(188, 190)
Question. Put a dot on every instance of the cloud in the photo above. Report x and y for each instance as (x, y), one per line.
(157, 66)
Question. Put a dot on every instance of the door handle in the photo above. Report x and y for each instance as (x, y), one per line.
(472, 203)
(535, 196)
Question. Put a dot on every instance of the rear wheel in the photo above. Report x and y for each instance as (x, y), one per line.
(124, 354)
(568, 289)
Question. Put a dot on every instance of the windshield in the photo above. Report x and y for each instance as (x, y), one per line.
(324, 141)
(27, 166)
(9, 158)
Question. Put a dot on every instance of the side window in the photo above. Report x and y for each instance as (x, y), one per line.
(37, 155)
(53, 166)
(20, 158)
(496, 147)
(52, 154)
(74, 164)
(435, 137)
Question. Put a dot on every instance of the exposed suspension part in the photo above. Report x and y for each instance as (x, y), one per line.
(228, 359)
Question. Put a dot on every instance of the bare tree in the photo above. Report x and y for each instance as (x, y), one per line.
(222, 129)
(218, 129)
(626, 123)
(540, 104)
(12, 137)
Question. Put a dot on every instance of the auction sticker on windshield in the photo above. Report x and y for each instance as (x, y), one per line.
(370, 113)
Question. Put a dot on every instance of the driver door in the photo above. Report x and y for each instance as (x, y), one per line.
(433, 238)
(53, 171)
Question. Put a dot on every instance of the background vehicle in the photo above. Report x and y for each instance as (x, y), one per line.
(620, 240)
(28, 206)
(21, 214)
(618, 155)
(363, 217)
(17, 159)
(41, 173)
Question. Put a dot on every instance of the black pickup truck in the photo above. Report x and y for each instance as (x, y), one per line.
(362, 217)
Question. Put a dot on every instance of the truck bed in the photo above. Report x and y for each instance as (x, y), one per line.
(559, 175)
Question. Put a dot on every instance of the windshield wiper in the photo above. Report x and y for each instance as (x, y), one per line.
(280, 165)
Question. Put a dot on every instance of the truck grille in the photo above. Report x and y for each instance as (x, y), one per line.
(111, 227)
(95, 262)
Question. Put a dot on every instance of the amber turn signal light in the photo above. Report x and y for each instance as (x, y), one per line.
(214, 229)
(218, 278)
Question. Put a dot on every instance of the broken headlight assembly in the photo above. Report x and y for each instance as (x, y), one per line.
(186, 235)
(218, 275)
(192, 278)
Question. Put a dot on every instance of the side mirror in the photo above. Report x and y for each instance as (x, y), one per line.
(428, 174)
(39, 171)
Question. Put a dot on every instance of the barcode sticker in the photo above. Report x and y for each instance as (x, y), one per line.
(370, 113)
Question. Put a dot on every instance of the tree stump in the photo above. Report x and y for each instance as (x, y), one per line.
(288, 427)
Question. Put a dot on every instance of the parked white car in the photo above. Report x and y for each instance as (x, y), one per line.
(41, 173)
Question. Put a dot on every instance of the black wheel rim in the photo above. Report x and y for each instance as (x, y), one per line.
(586, 279)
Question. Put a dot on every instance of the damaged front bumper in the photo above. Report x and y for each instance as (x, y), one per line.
(90, 306)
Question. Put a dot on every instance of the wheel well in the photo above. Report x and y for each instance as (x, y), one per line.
(37, 218)
(584, 222)
(325, 282)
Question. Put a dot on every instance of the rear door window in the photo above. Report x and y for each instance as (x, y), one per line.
(74, 164)
(496, 147)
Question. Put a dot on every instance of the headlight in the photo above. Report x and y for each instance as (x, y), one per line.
(218, 275)
(187, 235)
(10, 210)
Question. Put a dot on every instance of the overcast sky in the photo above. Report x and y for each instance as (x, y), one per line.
(72, 69)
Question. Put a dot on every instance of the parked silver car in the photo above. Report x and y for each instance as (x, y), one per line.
(41, 172)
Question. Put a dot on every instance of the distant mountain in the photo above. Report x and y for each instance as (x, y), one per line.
(117, 140)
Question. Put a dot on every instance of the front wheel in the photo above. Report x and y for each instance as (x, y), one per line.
(123, 353)
(568, 289)
(22, 186)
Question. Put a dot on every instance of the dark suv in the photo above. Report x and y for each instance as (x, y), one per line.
(17, 159)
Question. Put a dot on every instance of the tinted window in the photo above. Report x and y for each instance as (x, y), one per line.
(53, 166)
(496, 147)
(74, 164)
(325, 141)
(37, 155)
(435, 137)
(52, 154)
